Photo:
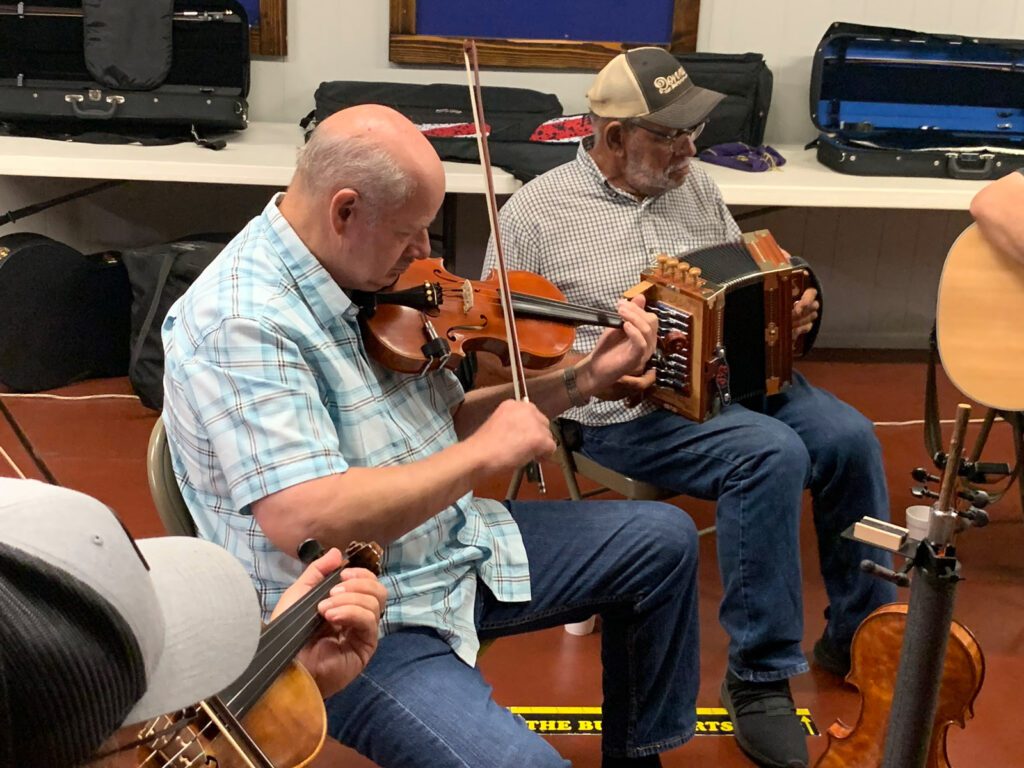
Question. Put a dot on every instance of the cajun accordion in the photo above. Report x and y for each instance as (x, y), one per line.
(725, 330)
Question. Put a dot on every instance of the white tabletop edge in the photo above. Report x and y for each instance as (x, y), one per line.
(805, 182)
(264, 155)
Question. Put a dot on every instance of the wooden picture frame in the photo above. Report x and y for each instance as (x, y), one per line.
(407, 47)
(270, 36)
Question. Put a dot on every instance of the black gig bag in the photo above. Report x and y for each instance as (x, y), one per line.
(64, 316)
(746, 81)
(444, 114)
(150, 71)
(159, 275)
(893, 102)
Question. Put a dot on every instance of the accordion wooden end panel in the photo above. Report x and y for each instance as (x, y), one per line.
(725, 330)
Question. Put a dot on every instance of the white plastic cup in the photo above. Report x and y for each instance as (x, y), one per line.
(581, 628)
(919, 517)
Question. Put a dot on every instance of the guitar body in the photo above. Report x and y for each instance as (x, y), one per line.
(979, 321)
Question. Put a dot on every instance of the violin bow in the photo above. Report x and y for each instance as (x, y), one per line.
(504, 292)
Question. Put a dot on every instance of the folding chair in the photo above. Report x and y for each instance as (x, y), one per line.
(163, 486)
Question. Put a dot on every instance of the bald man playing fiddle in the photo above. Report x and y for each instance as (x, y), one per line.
(282, 428)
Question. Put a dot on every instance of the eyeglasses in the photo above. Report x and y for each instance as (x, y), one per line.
(675, 136)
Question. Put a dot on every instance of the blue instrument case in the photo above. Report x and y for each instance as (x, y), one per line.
(893, 102)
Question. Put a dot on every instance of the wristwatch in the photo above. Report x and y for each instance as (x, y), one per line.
(576, 398)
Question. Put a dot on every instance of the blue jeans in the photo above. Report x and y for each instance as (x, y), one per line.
(757, 466)
(634, 563)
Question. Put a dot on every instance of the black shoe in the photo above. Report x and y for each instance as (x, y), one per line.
(832, 657)
(765, 722)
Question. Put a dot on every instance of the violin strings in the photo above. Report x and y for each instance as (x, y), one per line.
(277, 650)
(141, 742)
(278, 644)
(201, 731)
(565, 310)
(556, 308)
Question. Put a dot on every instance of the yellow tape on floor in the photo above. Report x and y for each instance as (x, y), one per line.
(576, 721)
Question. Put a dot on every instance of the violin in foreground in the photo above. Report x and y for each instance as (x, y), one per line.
(271, 717)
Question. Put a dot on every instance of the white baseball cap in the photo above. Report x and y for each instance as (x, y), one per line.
(99, 631)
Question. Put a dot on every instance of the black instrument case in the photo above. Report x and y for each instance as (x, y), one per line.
(123, 66)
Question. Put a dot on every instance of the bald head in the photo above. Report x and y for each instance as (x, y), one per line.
(372, 149)
(366, 188)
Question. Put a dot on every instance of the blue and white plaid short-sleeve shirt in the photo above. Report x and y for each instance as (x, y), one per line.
(268, 384)
(593, 240)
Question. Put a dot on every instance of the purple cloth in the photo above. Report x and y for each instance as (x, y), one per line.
(743, 157)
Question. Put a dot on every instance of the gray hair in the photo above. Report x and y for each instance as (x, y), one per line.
(599, 123)
(329, 162)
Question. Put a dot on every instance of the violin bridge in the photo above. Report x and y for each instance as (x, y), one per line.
(467, 296)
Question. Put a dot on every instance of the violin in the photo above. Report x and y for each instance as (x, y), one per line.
(273, 716)
(918, 671)
(430, 318)
(873, 671)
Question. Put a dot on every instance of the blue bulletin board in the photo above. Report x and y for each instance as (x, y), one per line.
(252, 10)
(268, 26)
(638, 21)
(538, 34)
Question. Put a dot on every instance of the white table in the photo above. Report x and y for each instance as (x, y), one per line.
(803, 181)
(263, 155)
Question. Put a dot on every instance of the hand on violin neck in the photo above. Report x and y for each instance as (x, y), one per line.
(620, 352)
(342, 648)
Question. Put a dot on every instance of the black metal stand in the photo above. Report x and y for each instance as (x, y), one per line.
(922, 656)
(932, 596)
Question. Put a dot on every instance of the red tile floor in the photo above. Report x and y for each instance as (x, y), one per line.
(98, 446)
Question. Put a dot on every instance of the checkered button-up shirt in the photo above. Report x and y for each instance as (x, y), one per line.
(593, 240)
(268, 385)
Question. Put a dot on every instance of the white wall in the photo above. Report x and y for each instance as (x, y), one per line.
(893, 258)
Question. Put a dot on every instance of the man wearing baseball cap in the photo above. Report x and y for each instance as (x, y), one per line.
(649, 85)
(592, 226)
(98, 631)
